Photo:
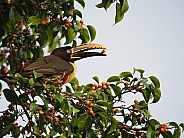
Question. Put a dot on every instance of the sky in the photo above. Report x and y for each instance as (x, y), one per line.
(150, 37)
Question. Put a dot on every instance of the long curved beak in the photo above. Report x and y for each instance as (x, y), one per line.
(79, 52)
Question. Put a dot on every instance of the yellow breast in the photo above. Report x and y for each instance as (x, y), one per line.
(72, 75)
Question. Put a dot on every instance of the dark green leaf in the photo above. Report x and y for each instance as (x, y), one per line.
(43, 38)
(23, 53)
(105, 4)
(147, 94)
(155, 81)
(96, 79)
(10, 96)
(6, 130)
(119, 14)
(65, 105)
(104, 118)
(49, 34)
(84, 35)
(101, 108)
(84, 122)
(113, 125)
(167, 134)
(156, 94)
(77, 12)
(113, 79)
(177, 130)
(92, 32)
(81, 2)
(23, 98)
(182, 126)
(90, 134)
(125, 6)
(70, 35)
(52, 45)
(125, 74)
(117, 90)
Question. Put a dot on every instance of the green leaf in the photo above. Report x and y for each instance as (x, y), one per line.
(182, 126)
(119, 14)
(31, 82)
(66, 105)
(52, 45)
(113, 125)
(104, 4)
(74, 83)
(35, 106)
(70, 35)
(77, 12)
(6, 130)
(149, 132)
(84, 122)
(49, 34)
(92, 32)
(156, 95)
(90, 134)
(155, 81)
(117, 90)
(92, 94)
(146, 94)
(121, 9)
(37, 75)
(104, 118)
(125, 74)
(84, 36)
(177, 130)
(101, 108)
(81, 2)
(77, 94)
(43, 38)
(113, 79)
(167, 134)
(23, 53)
(33, 20)
(10, 96)
(141, 71)
(58, 97)
(75, 110)
(96, 79)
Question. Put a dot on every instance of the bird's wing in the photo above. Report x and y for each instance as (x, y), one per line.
(51, 64)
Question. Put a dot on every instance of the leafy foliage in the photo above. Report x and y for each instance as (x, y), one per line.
(51, 110)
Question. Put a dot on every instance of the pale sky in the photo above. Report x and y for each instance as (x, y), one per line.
(151, 37)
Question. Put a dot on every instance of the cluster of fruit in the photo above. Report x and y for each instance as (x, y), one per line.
(164, 127)
(103, 85)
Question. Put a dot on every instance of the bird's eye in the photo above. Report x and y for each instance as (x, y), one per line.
(69, 51)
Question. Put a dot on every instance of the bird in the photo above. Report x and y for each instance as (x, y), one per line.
(60, 63)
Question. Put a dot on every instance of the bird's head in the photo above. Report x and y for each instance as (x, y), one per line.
(72, 54)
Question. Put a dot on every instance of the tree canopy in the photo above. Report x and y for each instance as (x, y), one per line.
(38, 109)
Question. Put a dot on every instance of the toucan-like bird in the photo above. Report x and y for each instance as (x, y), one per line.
(61, 61)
